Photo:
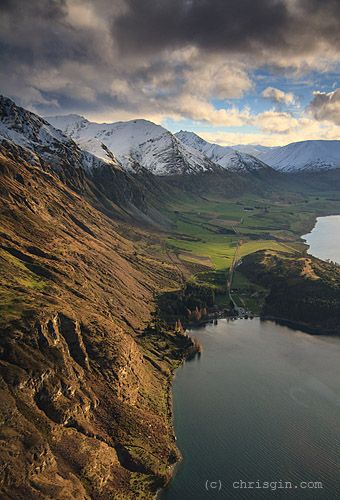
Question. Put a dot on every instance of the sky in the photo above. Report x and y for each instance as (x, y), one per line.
(233, 71)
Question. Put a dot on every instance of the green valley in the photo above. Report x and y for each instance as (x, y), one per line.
(207, 231)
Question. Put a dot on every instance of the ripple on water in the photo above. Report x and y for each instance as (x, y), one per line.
(262, 403)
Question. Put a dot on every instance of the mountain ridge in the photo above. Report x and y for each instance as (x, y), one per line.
(154, 147)
(309, 155)
(225, 156)
(134, 143)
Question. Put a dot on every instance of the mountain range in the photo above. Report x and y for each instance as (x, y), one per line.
(135, 143)
(317, 155)
(141, 142)
(304, 156)
(139, 146)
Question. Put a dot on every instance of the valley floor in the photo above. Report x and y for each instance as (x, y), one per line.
(210, 233)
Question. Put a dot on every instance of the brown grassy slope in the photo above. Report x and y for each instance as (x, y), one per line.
(84, 402)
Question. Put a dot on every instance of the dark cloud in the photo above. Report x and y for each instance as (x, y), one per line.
(209, 24)
(37, 31)
(326, 106)
(49, 53)
(163, 55)
(253, 26)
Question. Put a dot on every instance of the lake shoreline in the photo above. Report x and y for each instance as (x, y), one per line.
(315, 248)
(300, 326)
(246, 354)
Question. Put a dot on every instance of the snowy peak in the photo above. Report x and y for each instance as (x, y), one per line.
(35, 139)
(72, 143)
(225, 156)
(67, 123)
(191, 139)
(305, 155)
(25, 128)
(136, 143)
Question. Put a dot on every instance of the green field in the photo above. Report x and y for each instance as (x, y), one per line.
(210, 229)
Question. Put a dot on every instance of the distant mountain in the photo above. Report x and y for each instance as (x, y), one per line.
(305, 155)
(135, 143)
(225, 156)
(252, 149)
(314, 155)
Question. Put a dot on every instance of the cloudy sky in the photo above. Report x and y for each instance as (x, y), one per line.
(235, 71)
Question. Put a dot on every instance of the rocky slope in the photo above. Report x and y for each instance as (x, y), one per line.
(135, 143)
(85, 372)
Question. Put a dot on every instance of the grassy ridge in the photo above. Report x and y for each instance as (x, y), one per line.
(19, 286)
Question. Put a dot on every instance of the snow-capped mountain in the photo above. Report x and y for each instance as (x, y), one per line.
(225, 156)
(30, 141)
(135, 143)
(304, 155)
(40, 142)
(25, 129)
(69, 143)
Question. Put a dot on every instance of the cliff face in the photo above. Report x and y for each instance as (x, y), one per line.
(84, 390)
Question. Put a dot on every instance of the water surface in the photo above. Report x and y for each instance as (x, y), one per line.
(262, 403)
(324, 239)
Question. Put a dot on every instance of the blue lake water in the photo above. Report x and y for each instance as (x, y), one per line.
(324, 239)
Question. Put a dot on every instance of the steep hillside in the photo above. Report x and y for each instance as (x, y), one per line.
(84, 392)
(135, 143)
(85, 367)
(227, 157)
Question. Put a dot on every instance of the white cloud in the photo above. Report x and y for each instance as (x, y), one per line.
(303, 129)
(278, 95)
(275, 122)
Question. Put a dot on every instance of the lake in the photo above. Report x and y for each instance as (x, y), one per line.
(324, 239)
(262, 406)
(262, 403)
